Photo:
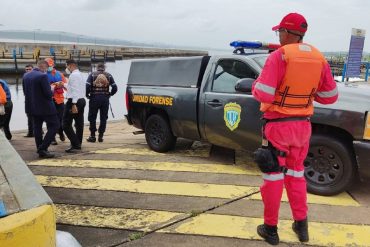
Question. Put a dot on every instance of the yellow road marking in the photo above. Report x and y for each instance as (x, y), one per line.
(140, 165)
(144, 186)
(119, 218)
(201, 152)
(178, 188)
(342, 199)
(322, 234)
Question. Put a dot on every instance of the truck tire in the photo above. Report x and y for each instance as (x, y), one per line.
(330, 166)
(158, 134)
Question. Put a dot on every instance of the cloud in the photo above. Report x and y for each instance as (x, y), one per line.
(190, 22)
(99, 5)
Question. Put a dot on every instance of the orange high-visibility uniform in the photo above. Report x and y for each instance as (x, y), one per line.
(303, 72)
(293, 77)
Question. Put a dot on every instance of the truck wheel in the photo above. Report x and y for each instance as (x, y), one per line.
(330, 167)
(158, 134)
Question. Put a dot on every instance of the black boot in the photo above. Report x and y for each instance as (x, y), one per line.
(268, 233)
(7, 133)
(29, 134)
(301, 229)
(61, 136)
(92, 137)
(100, 137)
(44, 154)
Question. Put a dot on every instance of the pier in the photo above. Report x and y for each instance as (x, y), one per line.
(15, 56)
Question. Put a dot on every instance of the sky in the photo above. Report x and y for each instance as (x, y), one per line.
(197, 23)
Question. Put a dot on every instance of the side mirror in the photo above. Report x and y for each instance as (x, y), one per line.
(244, 85)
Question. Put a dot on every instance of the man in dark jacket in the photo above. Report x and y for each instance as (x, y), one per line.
(39, 104)
(5, 119)
(97, 90)
(28, 68)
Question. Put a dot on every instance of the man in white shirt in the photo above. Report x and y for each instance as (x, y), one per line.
(74, 108)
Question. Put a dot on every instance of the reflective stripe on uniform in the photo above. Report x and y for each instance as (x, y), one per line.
(273, 177)
(328, 94)
(264, 88)
(296, 174)
(280, 176)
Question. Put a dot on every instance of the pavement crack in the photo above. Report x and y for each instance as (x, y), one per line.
(191, 214)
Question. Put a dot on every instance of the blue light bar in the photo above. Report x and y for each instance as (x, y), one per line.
(254, 45)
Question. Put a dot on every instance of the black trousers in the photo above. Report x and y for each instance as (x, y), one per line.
(52, 124)
(5, 119)
(60, 112)
(98, 103)
(30, 123)
(74, 137)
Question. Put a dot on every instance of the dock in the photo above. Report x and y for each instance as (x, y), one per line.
(15, 56)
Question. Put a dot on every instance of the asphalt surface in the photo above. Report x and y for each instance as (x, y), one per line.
(119, 193)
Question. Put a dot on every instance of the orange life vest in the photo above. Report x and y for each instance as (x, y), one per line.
(304, 64)
(2, 96)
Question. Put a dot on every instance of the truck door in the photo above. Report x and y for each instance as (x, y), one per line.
(231, 119)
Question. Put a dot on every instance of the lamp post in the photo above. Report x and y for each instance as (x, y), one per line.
(34, 35)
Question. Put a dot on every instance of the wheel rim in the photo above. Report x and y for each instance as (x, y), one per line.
(156, 133)
(323, 166)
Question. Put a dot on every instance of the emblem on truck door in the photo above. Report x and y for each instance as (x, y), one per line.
(232, 112)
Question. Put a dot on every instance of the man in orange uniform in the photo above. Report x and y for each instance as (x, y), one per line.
(293, 77)
(57, 81)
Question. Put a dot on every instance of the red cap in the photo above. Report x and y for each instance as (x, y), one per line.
(50, 62)
(293, 21)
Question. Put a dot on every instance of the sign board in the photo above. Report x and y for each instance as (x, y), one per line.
(355, 52)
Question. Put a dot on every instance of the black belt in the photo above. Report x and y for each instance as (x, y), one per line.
(287, 119)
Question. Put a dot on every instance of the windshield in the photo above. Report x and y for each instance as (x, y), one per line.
(261, 60)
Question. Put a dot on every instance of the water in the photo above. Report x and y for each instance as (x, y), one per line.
(119, 71)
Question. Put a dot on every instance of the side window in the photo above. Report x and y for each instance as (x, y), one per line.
(228, 72)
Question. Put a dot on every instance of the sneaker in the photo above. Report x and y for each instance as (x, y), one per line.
(301, 229)
(91, 139)
(268, 233)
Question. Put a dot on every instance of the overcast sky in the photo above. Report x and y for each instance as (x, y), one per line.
(205, 23)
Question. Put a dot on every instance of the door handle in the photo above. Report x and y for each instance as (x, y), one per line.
(214, 103)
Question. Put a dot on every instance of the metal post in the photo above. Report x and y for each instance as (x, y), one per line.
(344, 71)
(15, 60)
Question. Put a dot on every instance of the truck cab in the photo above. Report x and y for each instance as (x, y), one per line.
(209, 98)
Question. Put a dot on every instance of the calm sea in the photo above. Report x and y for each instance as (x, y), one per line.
(119, 70)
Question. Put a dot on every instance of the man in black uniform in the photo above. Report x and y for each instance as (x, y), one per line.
(97, 90)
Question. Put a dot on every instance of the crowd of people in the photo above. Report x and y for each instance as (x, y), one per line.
(60, 102)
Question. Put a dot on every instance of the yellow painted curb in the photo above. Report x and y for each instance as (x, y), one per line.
(34, 227)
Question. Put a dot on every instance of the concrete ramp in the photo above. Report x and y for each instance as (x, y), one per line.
(27, 214)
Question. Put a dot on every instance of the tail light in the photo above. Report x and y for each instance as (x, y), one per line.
(127, 101)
